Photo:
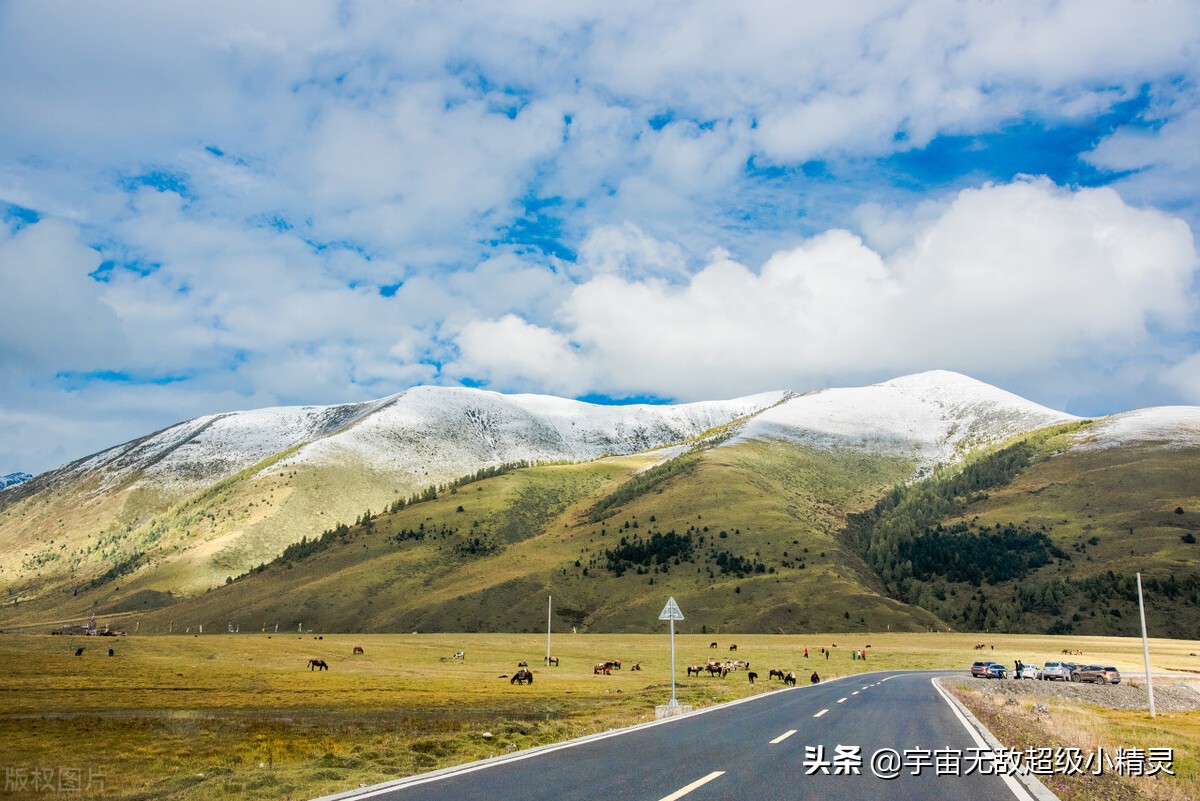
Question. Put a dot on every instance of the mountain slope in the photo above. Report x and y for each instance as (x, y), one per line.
(742, 518)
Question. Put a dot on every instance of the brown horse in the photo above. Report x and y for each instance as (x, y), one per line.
(358, 649)
(774, 673)
(552, 660)
(522, 676)
(317, 664)
(697, 669)
(790, 678)
(602, 669)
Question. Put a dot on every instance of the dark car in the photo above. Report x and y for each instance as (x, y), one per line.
(988, 670)
(1098, 674)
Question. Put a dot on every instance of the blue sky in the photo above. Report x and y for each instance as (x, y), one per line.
(218, 207)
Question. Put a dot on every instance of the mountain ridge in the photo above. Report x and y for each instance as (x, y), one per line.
(162, 519)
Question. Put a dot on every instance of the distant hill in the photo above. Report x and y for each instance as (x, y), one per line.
(456, 509)
(13, 478)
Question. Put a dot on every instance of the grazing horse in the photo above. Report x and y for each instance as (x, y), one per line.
(358, 649)
(317, 664)
(752, 676)
(111, 653)
(522, 676)
(697, 669)
(774, 673)
(790, 678)
(615, 664)
(522, 663)
(459, 655)
(79, 651)
(715, 669)
(636, 666)
(712, 645)
(602, 668)
(552, 660)
(733, 647)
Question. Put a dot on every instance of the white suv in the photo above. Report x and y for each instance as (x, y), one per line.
(1057, 670)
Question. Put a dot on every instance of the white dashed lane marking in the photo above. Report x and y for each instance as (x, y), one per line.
(682, 791)
(822, 712)
(783, 736)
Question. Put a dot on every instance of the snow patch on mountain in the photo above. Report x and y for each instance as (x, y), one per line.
(931, 417)
(434, 432)
(12, 479)
(444, 432)
(1172, 426)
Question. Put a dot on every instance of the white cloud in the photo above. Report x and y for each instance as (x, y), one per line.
(1024, 275)
(51, 312)
(322, 152)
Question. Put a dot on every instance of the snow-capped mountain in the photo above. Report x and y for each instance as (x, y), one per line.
(932, 417)
(13, 479)
(1171, 426)
(434, 432)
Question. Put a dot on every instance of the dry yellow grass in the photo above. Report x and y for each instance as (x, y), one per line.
(241, 716)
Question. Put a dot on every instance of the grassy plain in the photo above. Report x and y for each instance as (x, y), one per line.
(241, 716)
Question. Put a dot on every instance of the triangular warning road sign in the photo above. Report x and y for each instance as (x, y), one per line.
(670, 611)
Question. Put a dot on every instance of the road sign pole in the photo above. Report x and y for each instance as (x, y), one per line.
(674, 702)
(672, 613)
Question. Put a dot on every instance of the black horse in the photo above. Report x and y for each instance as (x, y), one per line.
(522, 676)
(317, 664)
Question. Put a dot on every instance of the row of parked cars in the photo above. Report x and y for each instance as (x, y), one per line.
(1063, 671)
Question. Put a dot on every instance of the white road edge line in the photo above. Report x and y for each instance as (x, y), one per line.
(682, 791)
(822, 712)
(782, 737)
(1018, 790)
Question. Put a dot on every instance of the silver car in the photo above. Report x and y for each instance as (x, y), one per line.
(1058, 670)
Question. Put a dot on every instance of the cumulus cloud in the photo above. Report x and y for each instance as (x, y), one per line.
(51, 311)
(333, 202)
(1007, 277)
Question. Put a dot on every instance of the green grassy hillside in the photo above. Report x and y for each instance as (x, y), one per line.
(769, 537)
(751, 546)
(1052, 546)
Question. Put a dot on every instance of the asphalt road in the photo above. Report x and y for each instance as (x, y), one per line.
(764, 748)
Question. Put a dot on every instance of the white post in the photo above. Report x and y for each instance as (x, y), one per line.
(674, 702)
(672, 613)
(549, 607)
(1145, 645)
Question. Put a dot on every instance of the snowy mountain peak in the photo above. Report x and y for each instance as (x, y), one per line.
(12, 479)
(930, 416)
(434, 432)
(1174, 426)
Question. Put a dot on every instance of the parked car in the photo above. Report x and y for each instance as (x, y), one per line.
(1098, 674)
(1058, 670)
(1029, 672)
(988, 670)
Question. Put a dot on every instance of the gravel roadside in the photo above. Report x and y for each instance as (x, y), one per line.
(1170, 695)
